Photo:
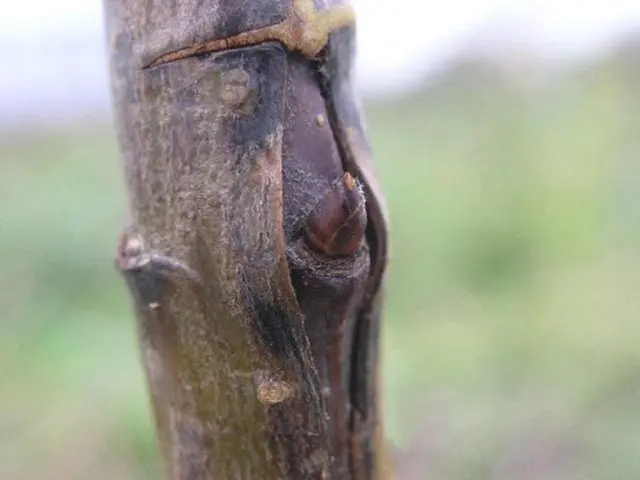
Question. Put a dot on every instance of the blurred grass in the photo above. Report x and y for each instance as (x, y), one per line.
(511, 333)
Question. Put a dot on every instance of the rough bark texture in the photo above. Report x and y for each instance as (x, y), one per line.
(257, 246)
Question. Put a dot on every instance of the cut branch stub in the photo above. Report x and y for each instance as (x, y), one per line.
(258, 240)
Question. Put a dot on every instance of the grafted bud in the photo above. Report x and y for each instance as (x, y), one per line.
(337, 224)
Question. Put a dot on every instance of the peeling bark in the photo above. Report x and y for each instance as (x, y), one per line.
(257, 247)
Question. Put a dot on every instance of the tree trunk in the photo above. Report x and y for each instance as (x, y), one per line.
(257, 247)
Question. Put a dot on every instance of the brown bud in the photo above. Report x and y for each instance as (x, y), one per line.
(336, 225)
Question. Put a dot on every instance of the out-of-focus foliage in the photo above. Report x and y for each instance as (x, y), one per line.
(511, 331)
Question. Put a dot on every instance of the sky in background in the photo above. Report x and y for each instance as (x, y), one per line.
(54, 58)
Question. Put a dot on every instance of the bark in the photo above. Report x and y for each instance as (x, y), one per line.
(256, 251)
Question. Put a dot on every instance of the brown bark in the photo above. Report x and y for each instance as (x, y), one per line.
(258, 242)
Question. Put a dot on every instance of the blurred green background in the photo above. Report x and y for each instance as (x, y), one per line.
(511, 335)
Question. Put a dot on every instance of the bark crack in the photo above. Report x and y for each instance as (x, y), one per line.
(305, 30)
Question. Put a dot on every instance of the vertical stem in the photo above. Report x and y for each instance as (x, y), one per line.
(257, 243)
